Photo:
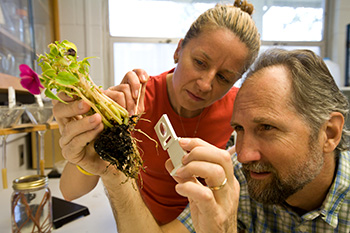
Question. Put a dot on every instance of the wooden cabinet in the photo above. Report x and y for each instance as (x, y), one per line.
(52, 150)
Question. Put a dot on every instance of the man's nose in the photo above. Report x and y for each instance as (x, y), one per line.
(247, 150)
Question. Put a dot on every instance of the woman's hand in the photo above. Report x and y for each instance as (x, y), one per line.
(131, 91)
(213, 207)
(78, 133)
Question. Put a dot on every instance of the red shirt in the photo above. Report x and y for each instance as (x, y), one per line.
(158, 190)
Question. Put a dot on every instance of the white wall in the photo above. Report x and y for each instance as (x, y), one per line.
(85, 23)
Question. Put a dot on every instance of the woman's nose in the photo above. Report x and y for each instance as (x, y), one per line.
(205, 83)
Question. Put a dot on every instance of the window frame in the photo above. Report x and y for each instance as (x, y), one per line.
(321, 44)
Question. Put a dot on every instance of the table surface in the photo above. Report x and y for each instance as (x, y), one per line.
(100, 219)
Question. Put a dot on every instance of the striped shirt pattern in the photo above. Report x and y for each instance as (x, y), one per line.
(332, 216)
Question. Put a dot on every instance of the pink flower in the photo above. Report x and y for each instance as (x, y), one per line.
(30, 79)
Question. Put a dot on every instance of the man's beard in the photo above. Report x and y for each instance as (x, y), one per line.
(275, 189)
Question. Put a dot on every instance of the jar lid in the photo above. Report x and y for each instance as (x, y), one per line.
(30, 182)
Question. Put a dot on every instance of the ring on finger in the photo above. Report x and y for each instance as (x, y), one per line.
(216, 188)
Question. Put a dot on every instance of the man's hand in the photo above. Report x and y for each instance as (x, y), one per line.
(213, 207)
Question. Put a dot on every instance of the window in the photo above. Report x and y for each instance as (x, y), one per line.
(291, 24)
(144, 33)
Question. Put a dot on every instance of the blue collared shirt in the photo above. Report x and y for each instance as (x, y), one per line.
(332, 216)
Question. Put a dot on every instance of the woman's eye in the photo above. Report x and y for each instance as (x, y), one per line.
(199, 62)
(222, 78)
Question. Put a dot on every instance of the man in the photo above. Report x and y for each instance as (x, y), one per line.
(292, 149)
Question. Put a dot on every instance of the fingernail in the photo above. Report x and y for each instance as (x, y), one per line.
(136, 93)
(184, 159)
(143, 78)
(80, 105)
(92, 119)
(178, 171)
(184, 141)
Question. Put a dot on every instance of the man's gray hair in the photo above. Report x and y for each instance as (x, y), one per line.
(315, 95)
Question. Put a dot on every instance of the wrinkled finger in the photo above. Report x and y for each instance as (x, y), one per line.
(75, 128)
(122, 95)
(142, 74)
(213, 174)
(75, 150)
(209, 162)
(131, 78)
(169, 166)
(207, 214)
(196, 191)
(116, 94)
(203, 151)
(67, 112)
(77, 134)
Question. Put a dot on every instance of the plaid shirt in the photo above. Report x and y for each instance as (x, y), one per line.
(332, 216)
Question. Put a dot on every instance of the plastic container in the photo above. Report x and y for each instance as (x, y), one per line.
(31, 208)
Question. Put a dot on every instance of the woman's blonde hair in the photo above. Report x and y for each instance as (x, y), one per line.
(236, 18)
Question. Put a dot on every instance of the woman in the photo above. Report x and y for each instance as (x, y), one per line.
(197, 95)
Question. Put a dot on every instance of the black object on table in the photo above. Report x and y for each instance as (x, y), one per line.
(54, 174)
(64, 211)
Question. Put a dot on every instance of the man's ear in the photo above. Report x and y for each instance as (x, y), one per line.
(333, 131)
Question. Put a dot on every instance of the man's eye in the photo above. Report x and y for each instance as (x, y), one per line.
(266, 127)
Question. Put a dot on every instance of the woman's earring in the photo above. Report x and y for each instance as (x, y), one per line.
(176, 60)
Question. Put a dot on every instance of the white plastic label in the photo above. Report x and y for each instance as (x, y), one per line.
(169, 141)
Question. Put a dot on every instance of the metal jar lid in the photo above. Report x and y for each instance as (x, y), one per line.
(30, 182)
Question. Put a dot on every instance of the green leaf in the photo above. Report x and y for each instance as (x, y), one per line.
(70, 45)
(51, 95)
(84, 70)
(62, 62)
(45, 66)
(40, 57)
(73, 66)
(50, 56)
(85, 59)
(42, 80)
(50, 72)
(53, 50)
(66, 78)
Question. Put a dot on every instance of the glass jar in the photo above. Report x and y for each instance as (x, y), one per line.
(31, 209)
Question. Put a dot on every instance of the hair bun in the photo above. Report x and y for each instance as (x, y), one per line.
(245, 6)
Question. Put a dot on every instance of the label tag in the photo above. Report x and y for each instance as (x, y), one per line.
(170, 142)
